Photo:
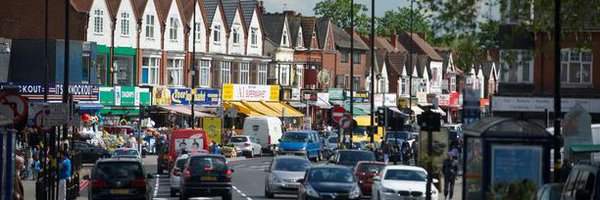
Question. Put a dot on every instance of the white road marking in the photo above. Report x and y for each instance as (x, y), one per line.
(241, 193)
(157, 185)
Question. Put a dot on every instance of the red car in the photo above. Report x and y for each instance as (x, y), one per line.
(365, 171)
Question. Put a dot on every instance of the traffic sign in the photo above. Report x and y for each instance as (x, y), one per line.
(13, 107)
(338, 112)
(345, 121)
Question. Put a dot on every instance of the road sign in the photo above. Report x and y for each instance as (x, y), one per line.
(338, 112)
(13, 107)
(345, 121)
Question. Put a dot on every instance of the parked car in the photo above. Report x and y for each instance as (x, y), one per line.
(402, 181)
(126, 153)
(364, 172)
(90, 153)
(302, 143)
(549, 191)
(582, 182)
(206, 175)
(329, 182)
(175, 175)
(266, 130)
(246, 145)
(283, 173)
(350, 158)
(118, 178)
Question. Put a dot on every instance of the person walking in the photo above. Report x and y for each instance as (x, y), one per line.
(64, 175)
(385, 149)
(36, 166)
(18, 193)
(449, 169)
(214, 148)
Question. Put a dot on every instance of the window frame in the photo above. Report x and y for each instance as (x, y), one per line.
(205, 73)
(198, 32)
(216, 33)
(98, 21)
(150, 66)
(254, 37)
(236, 36)
(125, 24)
(244, 73)
(344, 56)
(175, 64)
(356, 57)
(284, 74)
(519, 62)
(225, 72)
(173, 26)
(150, 26)
(262, 74)
(580, 61)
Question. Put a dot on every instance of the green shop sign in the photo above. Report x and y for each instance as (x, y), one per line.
(124, 96)
(336, 94)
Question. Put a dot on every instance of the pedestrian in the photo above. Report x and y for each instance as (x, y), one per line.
(64, 175)
(214, 148)
(450, 170)
(18, 189)
(36, 166)
(385, 149)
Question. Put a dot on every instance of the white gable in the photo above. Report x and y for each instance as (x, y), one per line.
(99, 9)
(436, 76)
(174, 42)
(125, 26)
(200, 30)
(299, 39)
(218, 45)
(237, 26)
(255, 49)
(150, 32)
(285, 34)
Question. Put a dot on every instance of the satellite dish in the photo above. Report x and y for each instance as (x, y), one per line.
(324, 76)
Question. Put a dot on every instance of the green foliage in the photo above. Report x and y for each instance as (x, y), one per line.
(400, 19)
(516, 190)
(339, 13)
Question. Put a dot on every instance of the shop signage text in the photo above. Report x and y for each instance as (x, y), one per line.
(183, 96)
(540, 104)
(239, 92)
(35, 91)
(336, 94)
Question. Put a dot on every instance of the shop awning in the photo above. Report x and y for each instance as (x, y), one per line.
(284, 109)
(130, 111)
(261, 108)
(356, 111)
(185, 110)
(89, 106)
(364, 107)
(396, 110)
(416, 110)
(241, 108)
(364, 120)
(323, 104)
(297, 104)
(440, 111)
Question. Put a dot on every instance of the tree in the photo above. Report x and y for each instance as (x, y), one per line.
(339, 13)
(400, 19)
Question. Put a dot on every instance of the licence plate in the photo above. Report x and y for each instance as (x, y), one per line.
(119, 191)
(208, 178)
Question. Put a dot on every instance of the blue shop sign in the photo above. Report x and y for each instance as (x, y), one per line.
(181, 96)
(35, 91)
(206, 97)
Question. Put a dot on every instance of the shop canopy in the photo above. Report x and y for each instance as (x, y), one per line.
(241, 108)
(364, 120)
(283, 109)
(185, 110)
(261, 108)
(357, 111)
(116, 110)
(297, 104)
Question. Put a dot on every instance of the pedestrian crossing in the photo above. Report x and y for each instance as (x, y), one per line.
(162, 189)
(255, 167)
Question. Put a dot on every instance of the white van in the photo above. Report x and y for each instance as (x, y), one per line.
(266, 130)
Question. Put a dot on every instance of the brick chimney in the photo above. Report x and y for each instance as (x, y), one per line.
(289, 13)
(394, 38)
(261, 7)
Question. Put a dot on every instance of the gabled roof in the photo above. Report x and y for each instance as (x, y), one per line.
(113, 7)
(446, 56)
(189, 12)
(210, 6)
(162, 9)
(487, 68)
(395, 61)
(308, 26)
(322, 26)
(248, 8)
(411, 66)
(139, 6)
(273, 25)
(294, 22)
(230, 7)
(342, 39)
(419, 46)
(82, 5)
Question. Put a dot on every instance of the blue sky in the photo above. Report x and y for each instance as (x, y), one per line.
(306, 6)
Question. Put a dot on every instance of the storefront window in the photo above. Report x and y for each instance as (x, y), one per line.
(175, 71)
(85, 65)
(101, 64)
(124, 70)
(150, 70)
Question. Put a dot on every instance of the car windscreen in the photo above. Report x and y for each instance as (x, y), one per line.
(353, 157)
(126, 152)
(332, 140)
(336, 175)
(405, 175)
(291, 164)
(118, 171)
(238, 139)
(373, 168)
(200, 163)
(295, 137)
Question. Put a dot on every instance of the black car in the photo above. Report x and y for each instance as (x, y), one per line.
(349, 158)
(119, 178)
(90, 153)
(583, 182)
(206, 175)
(329, 182)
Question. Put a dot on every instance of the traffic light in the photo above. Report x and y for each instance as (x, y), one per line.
(381, 111)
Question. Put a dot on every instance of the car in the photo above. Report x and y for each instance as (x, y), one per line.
(332, 142)
(402, 181)
(206, 175)
(549, 191)
(282, 174)
(582, 182)
(266, 130)
(126, 152)
(188, 140)
(119, 178)
(246, 145)
(175, 175)
(364, 172)
(350, 158)
(328, 182)
(302, 143)
(90, 153)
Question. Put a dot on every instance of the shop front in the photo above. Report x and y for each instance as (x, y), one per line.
(173, 105)
(449, 104)
(121, 104)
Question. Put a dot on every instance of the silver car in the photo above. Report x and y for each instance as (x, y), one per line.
(175, 175)
(247, 145)
(283, 174)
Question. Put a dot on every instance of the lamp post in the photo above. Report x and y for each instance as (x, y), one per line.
(372, 134)
(193, 72)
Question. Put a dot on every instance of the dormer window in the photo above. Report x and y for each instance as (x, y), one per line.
(254, 36)
(198, 33)
(149, 26)
(173, 30)
(125, 24)
(299, 42)
(217, 33)
(98, 20)
(236, 36)
(285, 38)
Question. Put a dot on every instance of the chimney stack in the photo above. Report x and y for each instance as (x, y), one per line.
(394, 38)
(261, 7)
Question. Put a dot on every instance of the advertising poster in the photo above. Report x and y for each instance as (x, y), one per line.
(193, 143)
(212, 126)
(474, 168)
(516, 163)
(440, 147)
(161, 96)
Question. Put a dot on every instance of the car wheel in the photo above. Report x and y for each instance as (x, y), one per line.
(268, 194)
(251, 154)
(227, 196)
(173, 193)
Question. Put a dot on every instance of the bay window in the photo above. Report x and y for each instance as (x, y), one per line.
(262, 74)
(205, 73)
(225, 72)
(284, 75)
(244, 73)
(175, 71)
(150, 70)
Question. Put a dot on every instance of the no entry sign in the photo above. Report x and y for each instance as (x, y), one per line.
(338, 112)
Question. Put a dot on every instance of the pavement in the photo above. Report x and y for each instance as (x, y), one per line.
(248, 181)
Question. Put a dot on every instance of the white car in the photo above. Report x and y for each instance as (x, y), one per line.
(247, 145)
(401, 182)
(126, 153)
(175, 174)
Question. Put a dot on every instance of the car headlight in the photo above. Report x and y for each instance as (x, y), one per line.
(303, 148)
(311, 191)
(355, 193)
(274, 179)
(388, 191)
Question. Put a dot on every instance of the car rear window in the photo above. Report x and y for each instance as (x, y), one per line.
(238, 139)
(126, 152)
(370, 167)
(353, 157)
(295, 137)
(181, 163)
(291, 164)
(118, 170)
(199, 163)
